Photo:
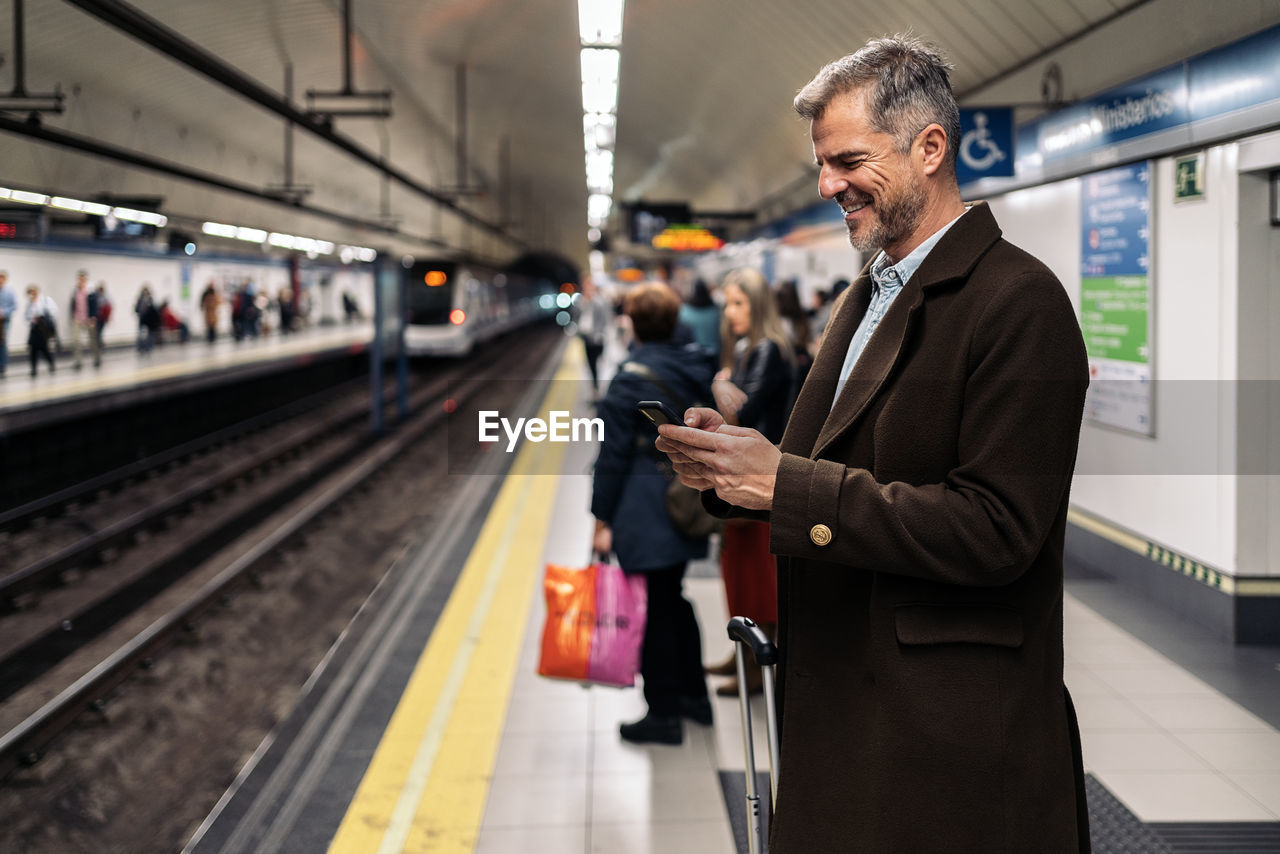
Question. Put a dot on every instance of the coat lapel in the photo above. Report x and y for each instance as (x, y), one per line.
(814, 401)
(952, 259)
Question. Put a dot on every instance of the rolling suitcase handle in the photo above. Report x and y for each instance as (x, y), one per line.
(745, 632)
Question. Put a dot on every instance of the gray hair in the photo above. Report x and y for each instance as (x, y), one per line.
(909, 90)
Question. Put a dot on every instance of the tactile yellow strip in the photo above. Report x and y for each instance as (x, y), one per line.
(426, 787)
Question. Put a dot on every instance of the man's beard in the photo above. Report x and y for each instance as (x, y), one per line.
(896, 217)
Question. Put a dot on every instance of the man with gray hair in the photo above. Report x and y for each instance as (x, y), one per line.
(917, 502)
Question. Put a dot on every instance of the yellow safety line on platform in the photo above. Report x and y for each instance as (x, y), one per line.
(426, 787)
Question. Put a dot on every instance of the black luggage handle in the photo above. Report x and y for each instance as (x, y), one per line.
(747, 631)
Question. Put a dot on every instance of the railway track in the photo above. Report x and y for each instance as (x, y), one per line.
(187, 536)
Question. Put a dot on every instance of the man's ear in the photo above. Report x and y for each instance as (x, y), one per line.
(931, 148)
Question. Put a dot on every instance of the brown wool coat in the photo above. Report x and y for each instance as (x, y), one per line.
(922, 702)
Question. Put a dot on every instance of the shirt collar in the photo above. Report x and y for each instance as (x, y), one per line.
(891, 277)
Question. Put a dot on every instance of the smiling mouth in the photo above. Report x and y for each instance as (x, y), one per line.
(851, 208)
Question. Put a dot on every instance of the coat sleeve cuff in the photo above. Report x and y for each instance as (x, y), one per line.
(806, 507)
(721, 509)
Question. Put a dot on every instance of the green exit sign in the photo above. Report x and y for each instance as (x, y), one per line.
(1188, 177)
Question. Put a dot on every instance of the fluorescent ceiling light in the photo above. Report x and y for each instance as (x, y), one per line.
(5, 192)
(251, 235)
(600, 21)
(600, 96)
(600, 80)
(284, 241)
(66, 204)
(158, 220)
(217, 229)
(599, 130)
(600, 172)
(28, 198)
(598, 208)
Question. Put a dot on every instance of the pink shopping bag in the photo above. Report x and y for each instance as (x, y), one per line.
(595, 624)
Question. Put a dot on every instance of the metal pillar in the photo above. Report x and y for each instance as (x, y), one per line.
(402, 357)
(376, 351)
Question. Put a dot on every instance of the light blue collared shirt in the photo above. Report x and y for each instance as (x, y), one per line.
(887, 281)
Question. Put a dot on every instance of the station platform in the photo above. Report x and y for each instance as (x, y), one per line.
(127, 376)
(426, 729)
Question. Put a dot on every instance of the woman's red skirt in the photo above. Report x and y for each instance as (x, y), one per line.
(750, 572)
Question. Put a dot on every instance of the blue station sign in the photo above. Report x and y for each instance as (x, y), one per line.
(1226, 92)
(1154, 103)
(986, 144)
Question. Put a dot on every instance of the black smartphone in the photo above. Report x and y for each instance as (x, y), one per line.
(658, 412)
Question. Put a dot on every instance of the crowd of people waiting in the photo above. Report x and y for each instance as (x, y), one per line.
(744, 349)
(90, 308)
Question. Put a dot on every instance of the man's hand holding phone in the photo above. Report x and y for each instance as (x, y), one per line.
(740, 464)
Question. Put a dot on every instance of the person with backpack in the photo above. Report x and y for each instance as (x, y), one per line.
(628, 501)
(42, 336)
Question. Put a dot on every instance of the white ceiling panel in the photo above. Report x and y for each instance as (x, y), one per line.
(704, 102)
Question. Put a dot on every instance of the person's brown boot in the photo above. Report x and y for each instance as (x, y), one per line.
(728, 667)
(755, 683)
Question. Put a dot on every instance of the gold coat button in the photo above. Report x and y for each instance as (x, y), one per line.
(820, 534)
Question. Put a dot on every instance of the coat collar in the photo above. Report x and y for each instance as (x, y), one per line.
(815, 423)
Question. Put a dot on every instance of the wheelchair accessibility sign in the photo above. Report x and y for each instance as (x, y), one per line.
(986, 144)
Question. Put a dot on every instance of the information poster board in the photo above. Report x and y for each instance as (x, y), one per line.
(1115, 296)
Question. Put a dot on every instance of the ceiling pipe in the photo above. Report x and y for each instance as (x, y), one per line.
(460, 105)
(88, 145)
(353, 103)
(347, 88)
(151, 32)
(19, 52)
(18, 99)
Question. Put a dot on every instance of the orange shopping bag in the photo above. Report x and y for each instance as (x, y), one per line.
(595, 624)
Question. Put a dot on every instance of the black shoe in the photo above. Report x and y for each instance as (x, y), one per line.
(696, 709)
(659, 729)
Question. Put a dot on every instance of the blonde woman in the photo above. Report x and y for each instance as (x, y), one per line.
(753, 389)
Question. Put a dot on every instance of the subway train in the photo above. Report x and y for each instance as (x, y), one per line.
(455, 305)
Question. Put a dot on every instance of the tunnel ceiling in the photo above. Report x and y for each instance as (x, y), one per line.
(703, 116)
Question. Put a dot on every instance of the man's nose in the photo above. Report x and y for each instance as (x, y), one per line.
(830, 185)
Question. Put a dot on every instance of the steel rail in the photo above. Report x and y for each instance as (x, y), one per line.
(23, 514)
(23, 744)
